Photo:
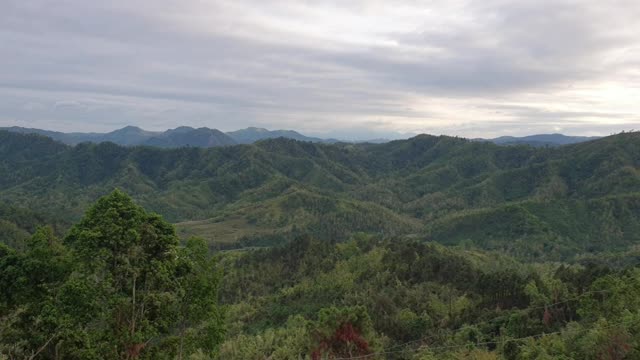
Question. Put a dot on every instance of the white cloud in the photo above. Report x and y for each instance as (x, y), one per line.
(459, 67)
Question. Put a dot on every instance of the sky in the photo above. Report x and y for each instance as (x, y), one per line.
(349, 69)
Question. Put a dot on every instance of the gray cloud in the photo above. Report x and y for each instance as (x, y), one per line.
(372, 67)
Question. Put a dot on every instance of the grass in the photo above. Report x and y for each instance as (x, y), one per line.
(221, 230)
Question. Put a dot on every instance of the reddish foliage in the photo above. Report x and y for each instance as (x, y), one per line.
(317, 353)
(547, 318)
(341, 343)
(133, 352)
(617, 349)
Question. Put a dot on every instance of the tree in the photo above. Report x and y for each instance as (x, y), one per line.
(199, 320)
(343, 332)
(29, 283)
(127, 257)
(134, 290)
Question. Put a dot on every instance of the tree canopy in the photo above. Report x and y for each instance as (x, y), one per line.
(118, 286)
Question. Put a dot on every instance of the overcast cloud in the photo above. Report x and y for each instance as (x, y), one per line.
(334, 68)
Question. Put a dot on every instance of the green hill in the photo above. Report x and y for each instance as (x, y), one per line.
(447, 189)
(428, 248)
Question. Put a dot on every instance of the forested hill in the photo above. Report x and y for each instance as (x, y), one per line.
(544, 263)
(437, 188)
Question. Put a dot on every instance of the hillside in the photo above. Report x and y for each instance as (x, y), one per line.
(186, 136)
(18, 223)
(425, 186)
(378, 297)
(414, 301)
(427, 248)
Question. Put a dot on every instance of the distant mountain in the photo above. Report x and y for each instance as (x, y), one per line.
(178, 137)
(187, 136)
(132, 135)
(205, 137)
(253, 134)
(129, 135)
(67, 138)
(541, 140)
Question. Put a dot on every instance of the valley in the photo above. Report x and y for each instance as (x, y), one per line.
(433, 247)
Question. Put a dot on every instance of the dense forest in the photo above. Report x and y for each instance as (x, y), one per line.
(117, 286)
(427, 248)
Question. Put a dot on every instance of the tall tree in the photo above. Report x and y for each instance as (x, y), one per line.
(128, 257)
(134, 288)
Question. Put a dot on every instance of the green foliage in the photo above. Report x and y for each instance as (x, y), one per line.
(29, 282)
(356, 266)
(119, 287)
(18, 223)
(531, 202)
(411, 300)
(291, 341)
(199, 320)
(128, 260)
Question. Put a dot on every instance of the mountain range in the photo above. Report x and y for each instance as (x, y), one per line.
(434, 238)
(541, 140)
(521, 199)
(206, 137)
(172, 138)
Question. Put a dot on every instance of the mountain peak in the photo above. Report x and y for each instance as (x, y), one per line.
(188, 136)
(180, 129)
(253, 134)
(128, 128)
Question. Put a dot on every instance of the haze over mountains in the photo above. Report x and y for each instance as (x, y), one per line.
(205, 137)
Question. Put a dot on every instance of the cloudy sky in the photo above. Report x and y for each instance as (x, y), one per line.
(351, 69)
